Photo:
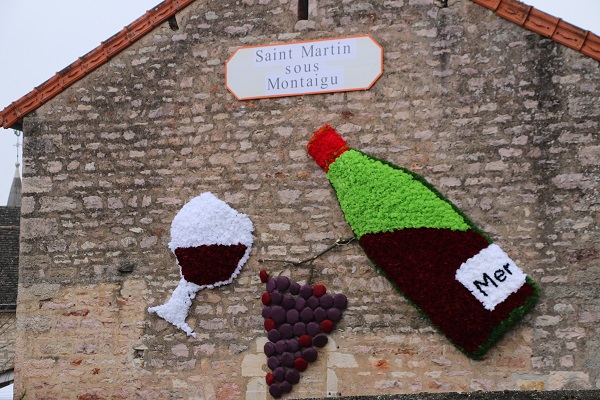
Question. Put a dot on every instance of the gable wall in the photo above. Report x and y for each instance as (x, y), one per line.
(502, 121)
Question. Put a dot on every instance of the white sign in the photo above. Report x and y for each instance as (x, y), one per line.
(491, 276)
(311, 67)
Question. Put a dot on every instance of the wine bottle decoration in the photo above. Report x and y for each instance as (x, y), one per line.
(297, 320)
(428, 249)
(211, 242)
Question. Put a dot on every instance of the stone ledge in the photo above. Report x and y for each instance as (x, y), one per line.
(505, 395)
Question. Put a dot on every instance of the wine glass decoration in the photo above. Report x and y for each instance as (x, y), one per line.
(211, 242)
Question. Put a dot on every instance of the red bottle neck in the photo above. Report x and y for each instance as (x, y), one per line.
(326, 146)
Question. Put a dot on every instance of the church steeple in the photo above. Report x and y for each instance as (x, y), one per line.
(14, 198)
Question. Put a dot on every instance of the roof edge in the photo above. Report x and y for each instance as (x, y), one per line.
(531, 18)
(521, 14)
(13, 114)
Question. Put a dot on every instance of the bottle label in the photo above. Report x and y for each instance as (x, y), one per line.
(491, 276)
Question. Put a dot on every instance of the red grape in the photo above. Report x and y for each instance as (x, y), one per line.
(264, 277)
(300, 364)
(319, 290)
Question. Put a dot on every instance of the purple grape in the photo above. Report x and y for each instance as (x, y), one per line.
(281, 346)
(271, 285)
(292, 376)
(288, 302)
(274, 335)
(320, 314)
(313, 302)
(292, 316)
(334, 314)
(286, 387)
(300, 304)
(273, 363)
(266, 312)
(294, 288)
(340, 301)
(283, 283)
(299, 329)
(306, 291)
(306, 315)
(326, 301)
(275, 390)
(320, 340)
(297, 355)
(310, 354)
(313, 329)
(279, 374)
(286, 330)
(293, 345)
(287, 359)
(278, 315)
(276, 297)
(269, 349)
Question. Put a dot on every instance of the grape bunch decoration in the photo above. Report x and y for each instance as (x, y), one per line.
(297, 320)
(211, 242)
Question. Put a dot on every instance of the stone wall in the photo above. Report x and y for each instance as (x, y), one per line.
(502, 121)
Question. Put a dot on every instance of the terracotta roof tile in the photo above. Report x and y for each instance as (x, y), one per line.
(542, 23)
(546, 25)
(512, 10)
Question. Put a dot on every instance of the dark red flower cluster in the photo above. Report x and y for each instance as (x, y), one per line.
(209, 264)
(426, 276)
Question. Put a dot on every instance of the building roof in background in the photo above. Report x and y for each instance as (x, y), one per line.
(9, 256)
(521, 14)
(14, 197)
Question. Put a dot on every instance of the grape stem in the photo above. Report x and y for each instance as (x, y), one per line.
(339, 242)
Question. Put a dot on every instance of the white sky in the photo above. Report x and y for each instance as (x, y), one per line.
(40, 37)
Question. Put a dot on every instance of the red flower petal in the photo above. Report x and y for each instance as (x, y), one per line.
(270, 379)
(300, 364)
(264, 277)
(305, 341)
(270, 324)
(327, 326)
(319, 290)
(266, 298)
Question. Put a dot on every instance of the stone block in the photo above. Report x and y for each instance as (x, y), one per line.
(571, 380)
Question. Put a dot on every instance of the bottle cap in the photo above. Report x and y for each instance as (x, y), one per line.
(326, 146)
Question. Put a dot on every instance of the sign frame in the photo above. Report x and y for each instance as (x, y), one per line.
(228, 72)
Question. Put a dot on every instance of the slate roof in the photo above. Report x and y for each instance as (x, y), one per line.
(521, 14)
(9, 256)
